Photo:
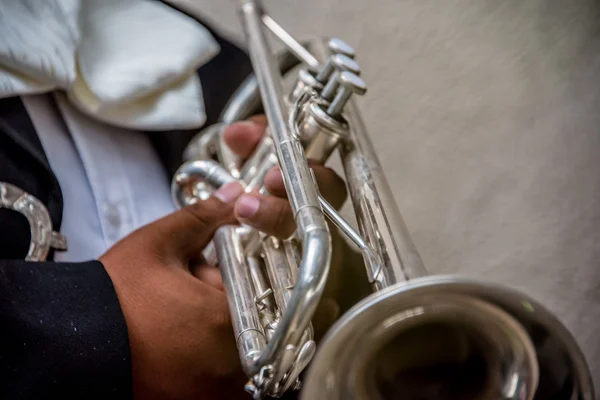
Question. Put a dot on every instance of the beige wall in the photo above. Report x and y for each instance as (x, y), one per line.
(486, 114)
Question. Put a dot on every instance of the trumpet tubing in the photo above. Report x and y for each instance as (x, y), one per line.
(415, 336)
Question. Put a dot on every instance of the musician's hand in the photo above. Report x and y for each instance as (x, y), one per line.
(181, 338)
(273, 214)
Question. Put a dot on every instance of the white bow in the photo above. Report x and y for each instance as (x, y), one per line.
(130, 63)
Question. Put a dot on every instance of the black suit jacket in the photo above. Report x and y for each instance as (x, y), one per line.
(62, 332)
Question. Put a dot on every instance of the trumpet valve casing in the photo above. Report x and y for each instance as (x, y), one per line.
(320, 133)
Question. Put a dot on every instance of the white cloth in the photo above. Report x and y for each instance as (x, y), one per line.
(111, 179)
(131, 63)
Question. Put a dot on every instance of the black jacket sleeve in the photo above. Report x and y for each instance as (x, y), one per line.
(62, 333)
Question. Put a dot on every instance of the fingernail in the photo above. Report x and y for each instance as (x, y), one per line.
(229, 192)
(246, 124)
(247, 206)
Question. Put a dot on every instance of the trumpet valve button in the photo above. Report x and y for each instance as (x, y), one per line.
(337, 62)
(338, 46)
(340, 63)
(349, 84)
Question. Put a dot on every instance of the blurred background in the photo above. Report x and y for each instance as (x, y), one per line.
(486, 116)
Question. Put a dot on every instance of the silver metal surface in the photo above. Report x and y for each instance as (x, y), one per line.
(279, 271)
(244, 102)
(291, 43)
(257, 179)
(379, 220)
(301, 190)
(515, 334)
(240, 296)
(338, 46)
(373, 261)
(337, 62)
(319, 133)
(340, 65)
(306, 80)
(267, 310)
(203, 145)
(259, 163)
(349, 84)
(197, 179)
(43, 238)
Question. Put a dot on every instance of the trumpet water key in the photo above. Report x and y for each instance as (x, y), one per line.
(416, 336)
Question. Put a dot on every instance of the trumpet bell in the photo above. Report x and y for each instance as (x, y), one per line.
(440, 338)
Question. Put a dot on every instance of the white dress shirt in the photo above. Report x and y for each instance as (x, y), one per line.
(111, 179)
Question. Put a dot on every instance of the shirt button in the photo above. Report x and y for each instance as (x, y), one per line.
(113, 215)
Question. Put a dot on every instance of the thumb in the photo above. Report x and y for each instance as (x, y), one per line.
(186, 232)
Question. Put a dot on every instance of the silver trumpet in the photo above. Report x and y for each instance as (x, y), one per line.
(415, 336)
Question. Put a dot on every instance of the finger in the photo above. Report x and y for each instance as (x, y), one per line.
(208, 274)
(331, 186)
(260, 119)
(185, 233)
(268, 214)
(242, 137)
